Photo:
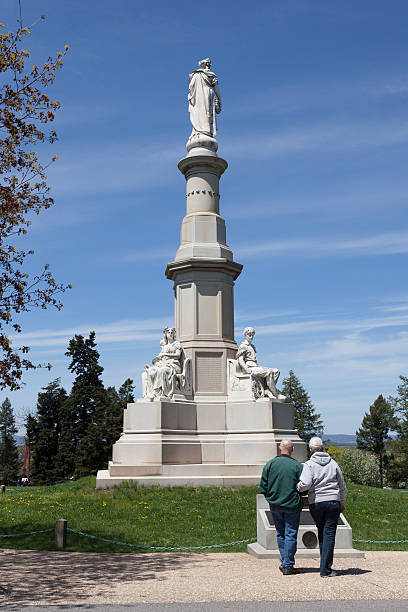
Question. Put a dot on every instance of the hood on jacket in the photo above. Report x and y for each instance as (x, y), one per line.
(321, 458)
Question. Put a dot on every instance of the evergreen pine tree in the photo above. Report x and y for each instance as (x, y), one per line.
(48, 430)
(397, 469)
(375, 429)
(8, 446)
(86, 407)
(126, 393)
(400, 401)
(31, 427)
(307, 421)
(112, 424)
(64, 466)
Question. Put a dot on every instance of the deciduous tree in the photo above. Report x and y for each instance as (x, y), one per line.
(26, 110)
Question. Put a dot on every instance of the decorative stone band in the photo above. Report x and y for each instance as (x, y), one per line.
(197, 191)
(190, 163)
(231, 268)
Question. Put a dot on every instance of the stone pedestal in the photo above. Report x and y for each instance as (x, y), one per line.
(221, 443)
(266, 546)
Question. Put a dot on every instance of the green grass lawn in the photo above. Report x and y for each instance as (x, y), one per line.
(178, 516)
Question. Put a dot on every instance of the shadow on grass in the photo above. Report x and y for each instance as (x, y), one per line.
(56, 577)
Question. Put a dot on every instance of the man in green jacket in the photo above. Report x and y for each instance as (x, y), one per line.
(278, 483)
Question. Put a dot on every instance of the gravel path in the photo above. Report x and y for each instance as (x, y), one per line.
(56, 578)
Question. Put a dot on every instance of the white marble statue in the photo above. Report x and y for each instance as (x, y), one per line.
(204, 100)
(170, 371)
(265, 379)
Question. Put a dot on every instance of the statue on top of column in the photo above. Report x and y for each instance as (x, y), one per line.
(204, 103)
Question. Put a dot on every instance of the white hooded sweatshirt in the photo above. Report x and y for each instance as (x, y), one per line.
(322, 478)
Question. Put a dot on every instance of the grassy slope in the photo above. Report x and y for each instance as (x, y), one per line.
(179, 516)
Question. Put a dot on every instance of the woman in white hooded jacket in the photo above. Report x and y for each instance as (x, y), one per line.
(322, 478)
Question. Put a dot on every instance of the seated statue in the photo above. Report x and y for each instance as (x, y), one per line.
(170, 370)
(264, 379)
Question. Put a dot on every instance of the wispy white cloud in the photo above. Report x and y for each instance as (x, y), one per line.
(391, 243)
(258, 316)
(360, 350)
(308, 326)
(330, 137)
(114, 332)
(354, 198)
(106, 168)
(124, 331)
(314, 94)
(334, 353)
(403, 308)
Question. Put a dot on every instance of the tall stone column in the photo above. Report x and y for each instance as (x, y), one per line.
(204, 272)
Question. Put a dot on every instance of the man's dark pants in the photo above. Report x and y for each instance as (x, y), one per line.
(287, 525)
(326, 515)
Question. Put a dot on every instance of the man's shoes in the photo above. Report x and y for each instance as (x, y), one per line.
(288, 571)
(281, 568)
(331, 575)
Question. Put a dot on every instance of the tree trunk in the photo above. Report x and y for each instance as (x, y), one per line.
(381, 470)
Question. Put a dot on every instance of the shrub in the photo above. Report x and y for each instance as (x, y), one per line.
(357, 466)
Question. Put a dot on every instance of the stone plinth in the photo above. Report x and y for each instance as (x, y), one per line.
(266, 546)
(199, 443)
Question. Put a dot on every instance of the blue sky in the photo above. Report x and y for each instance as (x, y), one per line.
(315, 130)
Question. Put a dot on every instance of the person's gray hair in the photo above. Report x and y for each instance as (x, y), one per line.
(316, 444)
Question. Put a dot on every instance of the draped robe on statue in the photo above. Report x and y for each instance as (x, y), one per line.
(165, 365)
(202, 102)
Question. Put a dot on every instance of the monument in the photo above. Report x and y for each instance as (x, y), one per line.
(210, 414)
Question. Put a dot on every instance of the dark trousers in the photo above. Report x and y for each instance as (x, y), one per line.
(325, 515)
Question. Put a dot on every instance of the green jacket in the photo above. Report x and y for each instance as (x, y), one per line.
(278, 483)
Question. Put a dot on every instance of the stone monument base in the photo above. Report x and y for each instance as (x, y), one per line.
(307, 543)
(215, 443)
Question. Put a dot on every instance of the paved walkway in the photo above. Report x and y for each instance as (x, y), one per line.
(59, 578)
(362, 605)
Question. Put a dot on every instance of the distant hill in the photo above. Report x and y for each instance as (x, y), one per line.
(348, 440)
(340, 437)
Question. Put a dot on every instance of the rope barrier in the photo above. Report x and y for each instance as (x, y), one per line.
(164, 548)
(15, 535)
(382, 541)
(147, 547)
